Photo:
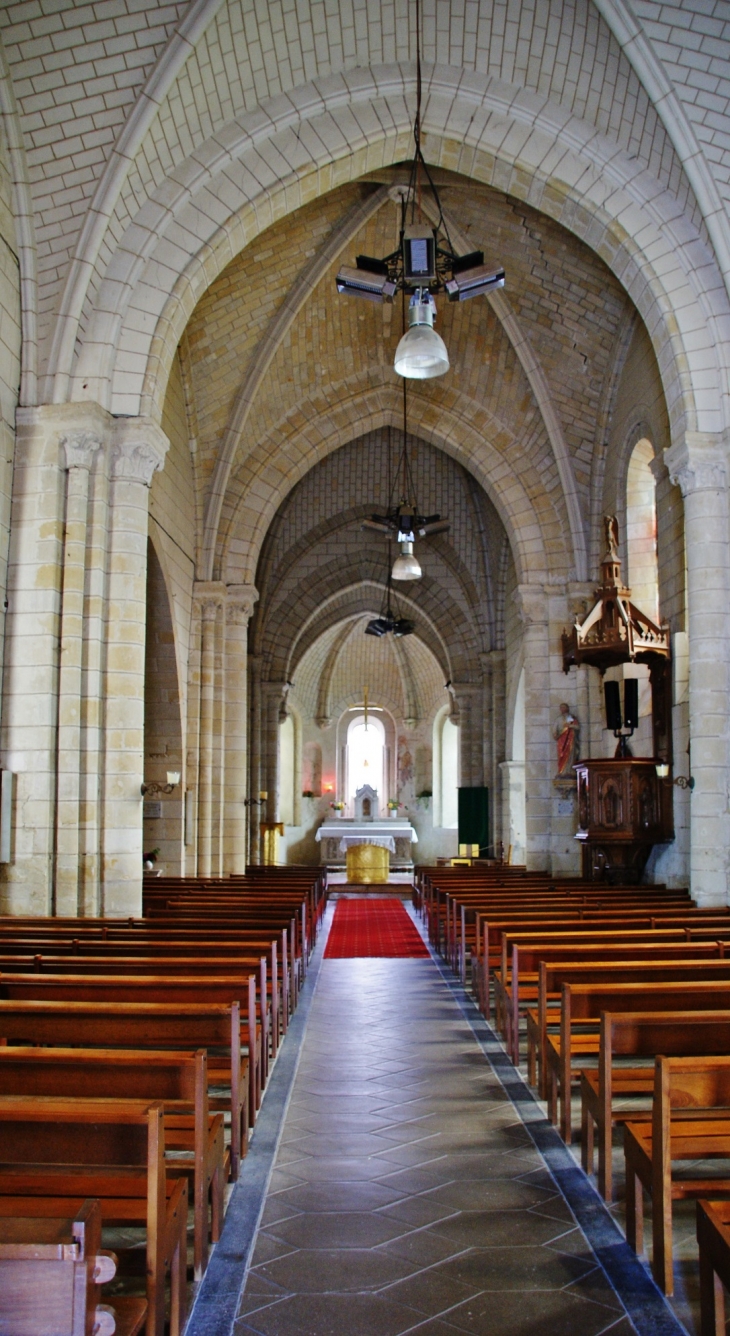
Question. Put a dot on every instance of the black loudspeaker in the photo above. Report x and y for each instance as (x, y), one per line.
(631, 702)
(613, 705)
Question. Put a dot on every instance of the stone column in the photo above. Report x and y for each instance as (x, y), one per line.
(254, 812)
(138, 451)
(209, 595)
(469, 697)
(240, 601)
(513, 796)
(273, 696)
(532, 609)
(698, 465)
(497, 743)
(31, 664)
(81, 449)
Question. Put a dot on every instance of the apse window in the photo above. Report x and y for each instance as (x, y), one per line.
(365, 757)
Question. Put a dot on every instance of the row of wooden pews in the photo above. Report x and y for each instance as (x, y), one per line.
(133, 1059)
(621, 998)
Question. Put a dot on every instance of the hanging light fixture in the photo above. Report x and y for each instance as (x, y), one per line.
(421, 353)
(404, 521)
(424, 263)
(389, 620)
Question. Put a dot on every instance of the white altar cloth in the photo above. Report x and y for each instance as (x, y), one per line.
(383, 833)
(382, 842)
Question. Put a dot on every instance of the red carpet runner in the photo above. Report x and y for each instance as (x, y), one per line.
(373, 928)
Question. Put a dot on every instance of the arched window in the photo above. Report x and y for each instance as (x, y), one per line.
(641, 530)
(445, 771)
(286, 771)
(366, 758)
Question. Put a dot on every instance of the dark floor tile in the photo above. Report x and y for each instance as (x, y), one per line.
(338, 1229)
(505, 1268)
(331, 1315)
(277, 1207)
(418, 1210)
(490, 1195)
(430, 1292)
(340, 1169)
(343, 1196)
(492, 1229)
(330, 1270)
(535, 1313)
(422, 1247)
(268, 1247)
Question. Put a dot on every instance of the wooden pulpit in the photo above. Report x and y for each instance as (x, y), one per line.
(624, 809)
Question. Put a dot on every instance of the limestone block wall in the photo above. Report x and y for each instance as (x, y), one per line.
(10, 364)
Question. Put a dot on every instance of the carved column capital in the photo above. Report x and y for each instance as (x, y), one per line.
(698, 463)
(240, 600)
(139, 450)
(80, 448)
(209, 596)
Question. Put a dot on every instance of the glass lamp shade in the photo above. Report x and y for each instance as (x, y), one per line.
(421, 355)
(406, 566)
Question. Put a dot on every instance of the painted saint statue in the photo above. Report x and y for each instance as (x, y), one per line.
(567, 736)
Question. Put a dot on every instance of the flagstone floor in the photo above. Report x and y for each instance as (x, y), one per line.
(406, 1194)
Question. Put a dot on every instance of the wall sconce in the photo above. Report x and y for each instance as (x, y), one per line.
(681, 781)
(256, 802)
(173, 779)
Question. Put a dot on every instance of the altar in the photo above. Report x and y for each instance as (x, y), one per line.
(395, 837)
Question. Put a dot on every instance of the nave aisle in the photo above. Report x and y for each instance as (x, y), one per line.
(406, 1193)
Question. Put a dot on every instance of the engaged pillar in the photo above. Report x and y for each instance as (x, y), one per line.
(240, 601)
(698, 466)
(138, 451)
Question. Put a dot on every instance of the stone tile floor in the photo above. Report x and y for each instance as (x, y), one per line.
(406, 1194)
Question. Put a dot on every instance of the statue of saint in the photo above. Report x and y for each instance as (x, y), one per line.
(567, 736)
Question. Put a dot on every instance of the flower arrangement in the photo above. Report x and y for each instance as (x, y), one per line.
(151, 857)
(338, 807)
(393, 804)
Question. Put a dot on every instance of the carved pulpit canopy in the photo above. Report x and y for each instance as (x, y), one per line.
(615, 630)
(366, 804)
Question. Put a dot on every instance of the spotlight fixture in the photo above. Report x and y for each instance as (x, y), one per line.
(424, 260)
(468, 282)
(173, 779)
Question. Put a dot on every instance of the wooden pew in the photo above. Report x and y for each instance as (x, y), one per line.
(637, 948)
(699, 1088)
(525, 984)
(582, 1004)
(159, 967)
(637, 1035)
(51, 1273)
(713, 1237)
(146, 1025)
(147, 988)
(177, 1080)
(59, 1152)
(554, 974)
